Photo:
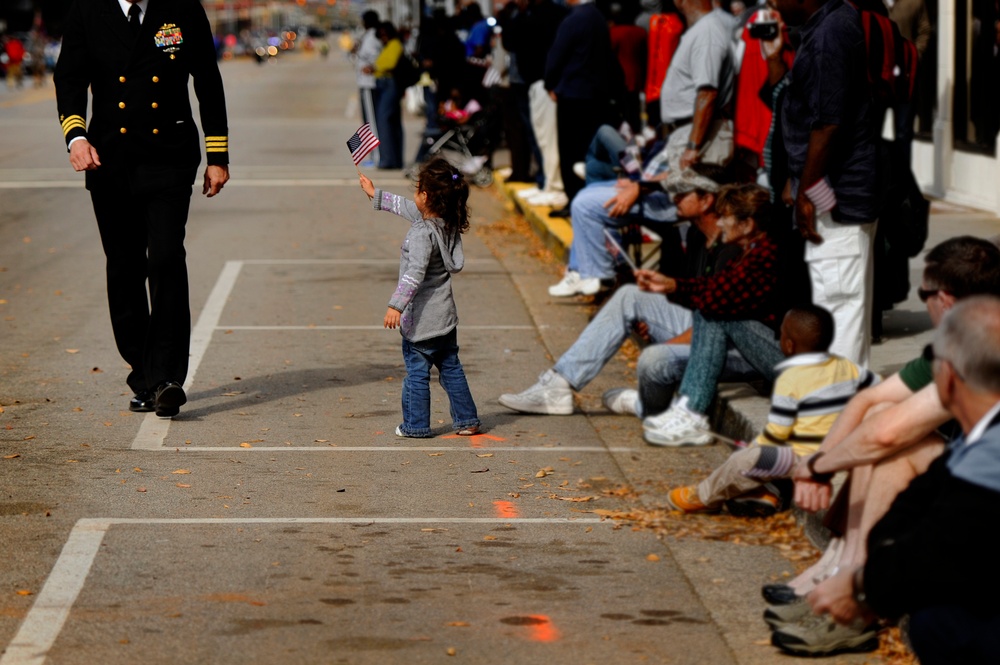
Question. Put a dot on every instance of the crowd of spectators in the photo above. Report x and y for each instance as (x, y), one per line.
(750, 139)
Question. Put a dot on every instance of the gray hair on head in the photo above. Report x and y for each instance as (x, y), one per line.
(969, 338)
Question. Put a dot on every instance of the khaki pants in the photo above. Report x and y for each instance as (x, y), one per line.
(728, 481)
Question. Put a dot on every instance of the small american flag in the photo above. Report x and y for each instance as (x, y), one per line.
(630, 160)
(362, 143)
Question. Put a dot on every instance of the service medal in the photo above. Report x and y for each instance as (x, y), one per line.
(168, 38)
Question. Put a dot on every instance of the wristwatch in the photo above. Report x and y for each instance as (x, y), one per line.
(822, 478)
(691, 145)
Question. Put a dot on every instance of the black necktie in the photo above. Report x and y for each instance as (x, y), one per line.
(133, 19)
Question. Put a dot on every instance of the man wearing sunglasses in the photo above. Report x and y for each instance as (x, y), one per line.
(885, 436)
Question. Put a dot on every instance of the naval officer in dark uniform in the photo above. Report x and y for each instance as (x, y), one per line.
(141, 153)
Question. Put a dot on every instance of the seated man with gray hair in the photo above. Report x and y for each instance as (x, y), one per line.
(933, 555)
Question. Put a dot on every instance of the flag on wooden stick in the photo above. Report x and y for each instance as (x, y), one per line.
(362, 143)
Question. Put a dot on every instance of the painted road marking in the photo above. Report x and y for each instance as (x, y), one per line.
(403, 449)
(48, 614)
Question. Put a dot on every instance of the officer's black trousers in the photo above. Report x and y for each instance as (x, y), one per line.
(142, 230)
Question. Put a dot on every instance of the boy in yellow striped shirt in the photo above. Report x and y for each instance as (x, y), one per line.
(811, 390)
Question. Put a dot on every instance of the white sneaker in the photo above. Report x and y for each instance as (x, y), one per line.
(574, 285)
(677, 427)
(550, 199)
(527, 192)
(621, 400)
(580, 169)
(550, 396)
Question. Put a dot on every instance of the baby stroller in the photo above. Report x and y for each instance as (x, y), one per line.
(466, 146)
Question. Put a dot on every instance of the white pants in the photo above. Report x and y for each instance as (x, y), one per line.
(841, 271)
(543, 122)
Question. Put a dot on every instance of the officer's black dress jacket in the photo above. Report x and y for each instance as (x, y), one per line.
(141, 123)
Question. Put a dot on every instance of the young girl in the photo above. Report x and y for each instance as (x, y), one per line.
(423, 306)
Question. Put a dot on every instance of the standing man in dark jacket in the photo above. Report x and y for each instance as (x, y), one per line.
(578, 78)
(141, 154)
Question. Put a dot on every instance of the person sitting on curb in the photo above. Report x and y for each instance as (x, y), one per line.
(698, 87)
(695, 192)
(739, 307)
(932, 556)
(812, 389)
(885, 437)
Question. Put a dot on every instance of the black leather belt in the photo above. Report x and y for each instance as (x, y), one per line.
(668, 127)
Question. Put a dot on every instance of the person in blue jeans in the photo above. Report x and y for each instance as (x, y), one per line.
(739, 308)
(423, 305)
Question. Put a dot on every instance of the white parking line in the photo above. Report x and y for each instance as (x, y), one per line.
(153, 430)
(407, 449)
(47, 616)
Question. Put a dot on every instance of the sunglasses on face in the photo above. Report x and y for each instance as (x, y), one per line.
(927, 294)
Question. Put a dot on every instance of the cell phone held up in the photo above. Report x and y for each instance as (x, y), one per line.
(765, 31)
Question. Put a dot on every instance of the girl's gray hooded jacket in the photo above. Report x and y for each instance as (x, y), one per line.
(428, 257)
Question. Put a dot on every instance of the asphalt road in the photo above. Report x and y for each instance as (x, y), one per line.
(278, 519)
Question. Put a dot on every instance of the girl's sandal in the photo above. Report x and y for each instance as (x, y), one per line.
(468, 431)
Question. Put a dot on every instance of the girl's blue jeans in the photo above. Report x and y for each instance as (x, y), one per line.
(710, 341)
(440, 352)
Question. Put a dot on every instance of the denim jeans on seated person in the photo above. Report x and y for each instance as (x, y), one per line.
(602, 158)
(419, 357)
(588, 252)
(710, 342)
(661, 368)
(604, 335)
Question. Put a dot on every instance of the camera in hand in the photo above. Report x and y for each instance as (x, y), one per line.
(764, 30)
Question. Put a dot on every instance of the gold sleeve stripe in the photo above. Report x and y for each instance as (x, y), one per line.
(73, 121)
(216, 150)
(217, 144)
(216, 138)
(77, 125)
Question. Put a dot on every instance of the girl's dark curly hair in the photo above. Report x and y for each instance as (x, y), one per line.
(447, 193)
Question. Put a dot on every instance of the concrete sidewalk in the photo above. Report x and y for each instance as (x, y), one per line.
(742, 411)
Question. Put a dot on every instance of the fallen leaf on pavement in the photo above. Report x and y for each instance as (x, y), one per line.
(245, 445)
(572, 499)
(72, 350)
(652, 557)
(480, 471)
(489, 537)
(434, 454)
(140, 489)
(458, 624)
(25, 592)
(485, 455)
(180, 471)
(12, 456)
(185, 485)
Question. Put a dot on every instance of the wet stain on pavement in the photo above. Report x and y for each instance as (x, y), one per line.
(593, 561)
(337, 602)
(523, 621)
(617, 617)
(395, 601)
(660, 613)
(369, 644)
(652, 622)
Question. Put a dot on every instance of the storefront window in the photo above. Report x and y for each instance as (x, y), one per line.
(977, 75)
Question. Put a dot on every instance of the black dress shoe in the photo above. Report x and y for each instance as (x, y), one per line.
(169, 398)
(562, 213)
(142, 402)
(779, 594)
